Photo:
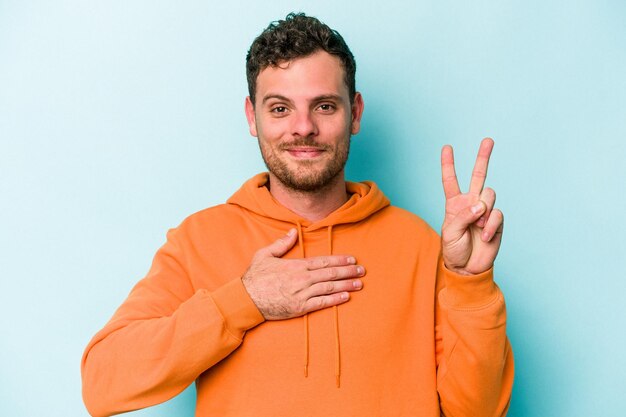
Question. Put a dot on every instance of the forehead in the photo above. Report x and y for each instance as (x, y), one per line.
(311, 76)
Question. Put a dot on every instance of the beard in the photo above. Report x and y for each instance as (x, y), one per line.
(306, 177)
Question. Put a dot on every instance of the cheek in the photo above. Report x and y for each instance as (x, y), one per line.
(338, 129)
(271, 130)
(335, 125)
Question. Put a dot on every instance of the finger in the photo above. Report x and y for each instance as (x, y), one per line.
(448, 174)
(480, 167)
(280, 246)
(336, 273)
(320, 262)
(457, 227)
(494, 226)
(332, 287)
(487, 196)
(324, 301)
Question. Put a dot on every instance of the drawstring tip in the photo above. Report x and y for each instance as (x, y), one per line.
(306, 371)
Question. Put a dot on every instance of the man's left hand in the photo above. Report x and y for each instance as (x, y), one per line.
(472, 227)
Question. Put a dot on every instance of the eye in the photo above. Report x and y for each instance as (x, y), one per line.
(279, 109)
(326, 107)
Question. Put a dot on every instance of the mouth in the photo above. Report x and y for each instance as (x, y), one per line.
(304, 152)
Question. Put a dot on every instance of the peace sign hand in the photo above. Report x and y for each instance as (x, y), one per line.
(472, 228)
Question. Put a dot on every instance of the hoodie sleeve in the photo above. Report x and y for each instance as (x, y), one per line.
(163, 337)
(474, 357)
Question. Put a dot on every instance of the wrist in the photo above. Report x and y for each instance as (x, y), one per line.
(467, 291)
(457, 270)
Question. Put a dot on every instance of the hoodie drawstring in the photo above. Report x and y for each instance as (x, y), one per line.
(336, 317)
(305, 318)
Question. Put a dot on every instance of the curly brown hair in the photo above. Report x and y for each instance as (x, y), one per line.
(295, 37)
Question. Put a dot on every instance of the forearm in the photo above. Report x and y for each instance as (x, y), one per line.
(475, 372)
(136, 362)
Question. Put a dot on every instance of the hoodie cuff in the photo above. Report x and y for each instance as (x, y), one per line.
(467, 291)
(237, 308)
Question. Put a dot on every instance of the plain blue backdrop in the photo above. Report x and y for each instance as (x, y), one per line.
(120, 118)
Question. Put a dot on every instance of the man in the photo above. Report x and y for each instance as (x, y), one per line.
(305, 294)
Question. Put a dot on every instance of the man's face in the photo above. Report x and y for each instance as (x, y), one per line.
(303, 120)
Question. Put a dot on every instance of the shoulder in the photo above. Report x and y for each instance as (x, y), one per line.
(396, 217)
(211, 214)
(400, 225)
(410, 237)
(220, 218)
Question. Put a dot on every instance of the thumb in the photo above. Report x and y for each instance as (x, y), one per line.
(464, 219)
(280, 246)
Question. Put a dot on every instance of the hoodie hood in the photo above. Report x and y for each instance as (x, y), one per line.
(365, 199)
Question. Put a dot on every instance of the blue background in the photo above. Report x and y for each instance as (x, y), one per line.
(120, 118)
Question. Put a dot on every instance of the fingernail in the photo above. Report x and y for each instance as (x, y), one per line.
(351, 260)
(477, 208)
(291, 232)
(360, 270)
(485, 237)
(357, 283)
(344, 296)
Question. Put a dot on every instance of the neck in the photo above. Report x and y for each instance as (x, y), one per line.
(313, 205)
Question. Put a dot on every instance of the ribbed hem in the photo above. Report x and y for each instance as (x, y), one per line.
(467, 291)
(239, 311)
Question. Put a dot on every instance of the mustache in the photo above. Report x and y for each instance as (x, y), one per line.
(304, 141)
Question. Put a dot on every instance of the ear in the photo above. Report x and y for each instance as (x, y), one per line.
(357, 112)
(251, 116)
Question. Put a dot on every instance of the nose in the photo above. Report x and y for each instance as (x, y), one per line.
(304, 124)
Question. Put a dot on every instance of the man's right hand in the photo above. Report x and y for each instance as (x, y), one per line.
(287, 288)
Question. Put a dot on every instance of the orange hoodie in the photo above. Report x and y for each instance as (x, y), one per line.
(417, 340)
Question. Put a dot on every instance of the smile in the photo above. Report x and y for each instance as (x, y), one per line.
(305, 152)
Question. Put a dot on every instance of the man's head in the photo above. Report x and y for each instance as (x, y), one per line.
(295, 37)
(301, 108)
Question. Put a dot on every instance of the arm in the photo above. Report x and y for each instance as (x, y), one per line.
(163, 337)
(474, 357)
(475, 362)
(167, 333)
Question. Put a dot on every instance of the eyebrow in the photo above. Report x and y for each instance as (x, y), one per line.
(276, 96)
(321, 97)
(333, 97)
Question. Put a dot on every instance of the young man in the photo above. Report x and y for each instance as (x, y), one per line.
(305, 294)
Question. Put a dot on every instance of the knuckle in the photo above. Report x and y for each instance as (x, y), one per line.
(307, 279)
(480, 173)
(489, 194)
(294, 306)
(329, 287)
(299, 309)
(311, 264)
